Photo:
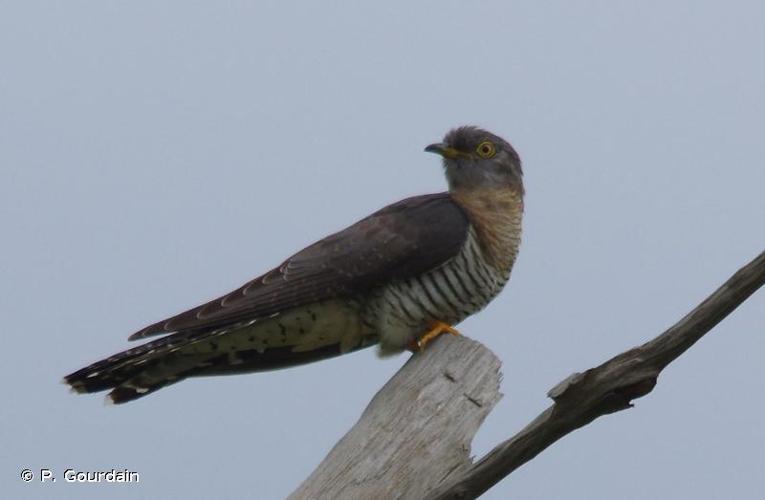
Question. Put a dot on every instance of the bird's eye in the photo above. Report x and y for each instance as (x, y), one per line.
(486, 149)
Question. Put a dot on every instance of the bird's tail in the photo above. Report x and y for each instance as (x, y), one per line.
(136, 372)
(141, 370)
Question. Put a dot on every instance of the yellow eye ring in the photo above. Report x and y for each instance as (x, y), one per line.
(486, 149)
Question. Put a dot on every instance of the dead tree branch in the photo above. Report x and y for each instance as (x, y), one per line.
(416, 430)
(405, 444)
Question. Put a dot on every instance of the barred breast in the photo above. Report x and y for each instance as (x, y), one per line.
(462, 286)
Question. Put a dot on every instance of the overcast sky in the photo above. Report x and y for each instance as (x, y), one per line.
(155, 154)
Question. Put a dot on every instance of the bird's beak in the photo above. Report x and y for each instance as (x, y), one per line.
(442, 149)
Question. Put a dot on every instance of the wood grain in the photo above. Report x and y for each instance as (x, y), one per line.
(413, 440)
(416, 430)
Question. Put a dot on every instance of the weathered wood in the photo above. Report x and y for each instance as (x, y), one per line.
(608, 388)
(416, 430)
(413, 440)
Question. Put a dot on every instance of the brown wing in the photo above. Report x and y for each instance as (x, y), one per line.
(401, 240)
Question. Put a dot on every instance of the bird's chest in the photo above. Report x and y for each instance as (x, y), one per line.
(460, 287)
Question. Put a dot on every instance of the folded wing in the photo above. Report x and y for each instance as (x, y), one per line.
(401, 240)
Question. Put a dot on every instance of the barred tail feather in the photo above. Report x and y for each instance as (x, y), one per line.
(139, 371)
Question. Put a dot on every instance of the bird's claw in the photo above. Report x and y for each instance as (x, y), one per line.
(436, 329)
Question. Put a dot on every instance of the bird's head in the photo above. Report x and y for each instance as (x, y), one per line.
(474, 159)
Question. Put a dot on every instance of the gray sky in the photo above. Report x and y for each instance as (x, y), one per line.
(154, 155)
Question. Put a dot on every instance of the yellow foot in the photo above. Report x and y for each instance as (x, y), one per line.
(436, 329)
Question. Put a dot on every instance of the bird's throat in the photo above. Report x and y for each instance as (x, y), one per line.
(496, 214)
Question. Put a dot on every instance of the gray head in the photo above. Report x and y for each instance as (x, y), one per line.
(475, 158)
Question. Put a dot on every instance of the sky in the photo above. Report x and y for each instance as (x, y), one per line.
(156, 154)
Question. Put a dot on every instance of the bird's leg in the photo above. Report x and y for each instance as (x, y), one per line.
(436, 329)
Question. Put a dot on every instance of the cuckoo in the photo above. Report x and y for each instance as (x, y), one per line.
(397, 278)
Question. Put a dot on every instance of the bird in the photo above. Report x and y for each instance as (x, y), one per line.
(396, 279)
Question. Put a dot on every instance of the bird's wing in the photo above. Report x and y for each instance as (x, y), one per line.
(401, 240)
